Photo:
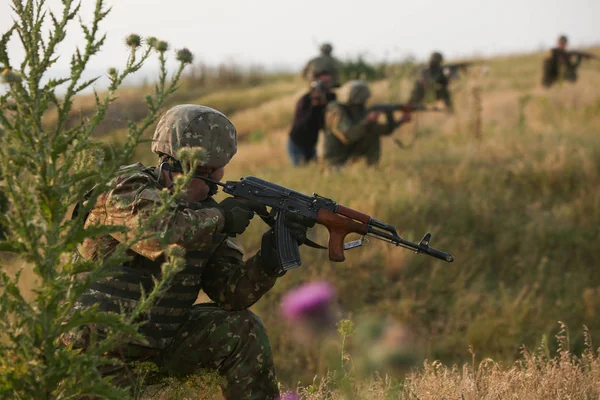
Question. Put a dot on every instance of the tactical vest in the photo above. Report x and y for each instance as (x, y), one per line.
(122, 290)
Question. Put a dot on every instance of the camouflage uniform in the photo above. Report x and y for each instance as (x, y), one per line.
(325, 62)
(184, 338)
(348, 134)
(432, 79)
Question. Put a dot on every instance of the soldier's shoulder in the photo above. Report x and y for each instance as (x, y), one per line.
(135, 173)
(134, 182)
(313, 60)
(334, 106)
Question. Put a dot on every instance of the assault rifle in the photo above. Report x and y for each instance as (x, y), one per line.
(386, 108)
(584, 55)
(451, 70)
(338, 219)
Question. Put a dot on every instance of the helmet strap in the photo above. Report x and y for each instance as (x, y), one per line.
(165, 166)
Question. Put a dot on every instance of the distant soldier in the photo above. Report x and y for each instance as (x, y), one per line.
(323, 63)
(353, 132)
(309, 119)
(432, 79)
(562, 64)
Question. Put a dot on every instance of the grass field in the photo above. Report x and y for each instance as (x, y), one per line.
(517, 202)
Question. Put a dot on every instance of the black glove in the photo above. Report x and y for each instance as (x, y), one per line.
(297, 225)
(238, 213)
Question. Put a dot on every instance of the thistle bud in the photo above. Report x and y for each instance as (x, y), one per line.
(175, 250)
(311, 311)
(187, 155)
(307, 301)
(9, 76)
(179, 181)
(151, 41)
(112, 72)
(134, 41)
(161, 46)
(171, 268)
(185, 56)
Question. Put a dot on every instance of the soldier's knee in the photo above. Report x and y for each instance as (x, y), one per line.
(251, 324)
(252, 335)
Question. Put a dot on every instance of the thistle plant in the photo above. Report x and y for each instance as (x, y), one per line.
(346, 330)
(46, 168)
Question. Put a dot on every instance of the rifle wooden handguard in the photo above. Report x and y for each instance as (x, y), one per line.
(339, 227)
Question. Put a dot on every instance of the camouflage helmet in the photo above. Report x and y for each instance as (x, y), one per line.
(355, 92)
(190, 125)
(436, 58)
(326, 48)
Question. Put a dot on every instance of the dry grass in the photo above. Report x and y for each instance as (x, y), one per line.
(534, 376)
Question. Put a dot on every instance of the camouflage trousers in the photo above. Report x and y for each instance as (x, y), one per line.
(234, 343)
(368, 147)
(420, 92)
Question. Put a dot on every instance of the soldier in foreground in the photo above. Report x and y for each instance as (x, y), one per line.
(309, 119)
(325, 62)
(184, 338)
(432, 79)
(562, 64)
(353, 132)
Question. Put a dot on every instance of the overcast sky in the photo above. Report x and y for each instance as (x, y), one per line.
(284, 34)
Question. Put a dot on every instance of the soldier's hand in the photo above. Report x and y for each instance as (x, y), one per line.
(373, 116)
(238, 213)
(406, 117)
(298, 225)
(317, 98)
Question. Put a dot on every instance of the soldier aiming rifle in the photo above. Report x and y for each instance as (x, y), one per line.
(181, 337)
(435, 78)
(309, 119)
(352, 131)
(562, 64)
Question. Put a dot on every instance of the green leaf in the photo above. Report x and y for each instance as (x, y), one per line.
(12, 247)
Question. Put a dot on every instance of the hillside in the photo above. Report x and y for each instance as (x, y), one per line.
(516, 201)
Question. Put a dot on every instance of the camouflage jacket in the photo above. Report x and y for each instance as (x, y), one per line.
(214, 264)
(348, 134)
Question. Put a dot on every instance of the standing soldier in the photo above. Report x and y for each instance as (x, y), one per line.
(351, 131)
(309, 119)
(432, 80)
(183, 338)
(323, 63)
(562, 64)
